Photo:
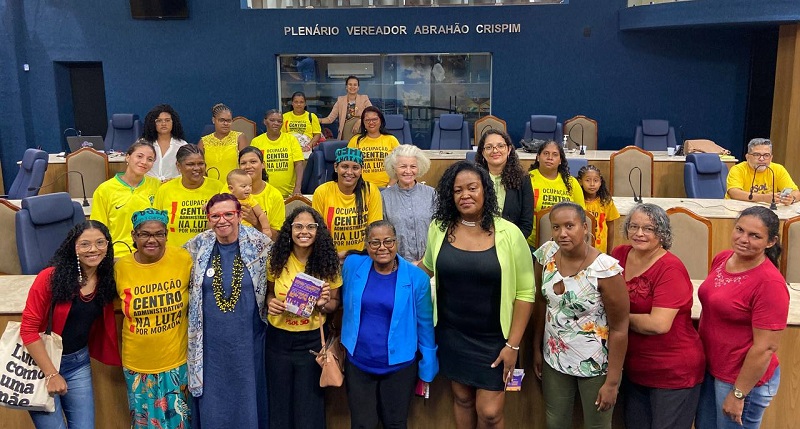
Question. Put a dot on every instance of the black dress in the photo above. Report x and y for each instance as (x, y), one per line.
(468, 331)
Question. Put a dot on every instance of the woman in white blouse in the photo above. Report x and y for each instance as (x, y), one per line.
(162, 128)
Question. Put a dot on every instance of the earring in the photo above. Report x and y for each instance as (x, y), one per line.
(80, 274)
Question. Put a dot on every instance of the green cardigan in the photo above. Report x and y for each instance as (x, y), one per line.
(517, 280)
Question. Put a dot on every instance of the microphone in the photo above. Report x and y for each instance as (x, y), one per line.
(83, 186)
(772, 205)
(213, 168)
(580, 145)
(753, 183)
(126, 245)
(630, 182)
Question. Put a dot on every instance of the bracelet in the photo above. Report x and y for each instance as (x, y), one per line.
(512, 347)
(48, 377)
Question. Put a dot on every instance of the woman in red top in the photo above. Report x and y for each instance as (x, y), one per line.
(745, 308)
(664, 365)
(79, 286)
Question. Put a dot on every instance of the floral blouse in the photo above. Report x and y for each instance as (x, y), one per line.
(576, 330)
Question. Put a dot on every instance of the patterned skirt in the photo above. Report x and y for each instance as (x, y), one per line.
(158, 401)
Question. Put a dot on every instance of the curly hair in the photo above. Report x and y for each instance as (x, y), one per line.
(446, 211)
(323, 262)
(513, 174)
(563, 168)
(602, 191)
(381, 130)
(150, 134)
(64, 282)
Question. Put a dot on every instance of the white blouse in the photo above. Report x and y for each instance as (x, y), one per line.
(164, 168)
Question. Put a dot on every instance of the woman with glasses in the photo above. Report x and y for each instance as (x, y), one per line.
(115, 200)
(551, 182)
(153, 287)
(223, 145)
(251, 160)
(484, 293)
(227, 320)
(759, 179)
(304, 245)
(662, 339)
(375, 143)
(348, 109)
(580, 323)
(496, 153)
(163, 129)
(183, 197)
(387, 329)
(283, 156)
(77, 290)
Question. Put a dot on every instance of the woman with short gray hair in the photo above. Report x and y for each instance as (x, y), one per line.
(408, 205)
(662, 339)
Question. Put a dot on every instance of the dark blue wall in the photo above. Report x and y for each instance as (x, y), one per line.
(697, 79)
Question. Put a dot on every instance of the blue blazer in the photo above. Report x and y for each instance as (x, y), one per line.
(411, 327)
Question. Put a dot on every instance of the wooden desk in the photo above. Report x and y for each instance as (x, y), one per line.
(667, 170)
(87, 210)
(522, 409)
(57, 165)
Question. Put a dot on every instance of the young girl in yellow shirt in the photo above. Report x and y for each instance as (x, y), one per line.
(600, 205)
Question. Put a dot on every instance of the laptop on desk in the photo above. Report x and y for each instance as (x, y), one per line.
(78, 142)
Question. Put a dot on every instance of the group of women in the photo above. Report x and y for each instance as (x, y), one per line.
(230, 354)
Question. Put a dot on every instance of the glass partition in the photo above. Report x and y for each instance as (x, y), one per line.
(420, 87)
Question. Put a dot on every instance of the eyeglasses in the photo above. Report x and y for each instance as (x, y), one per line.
(146, 236)
(215, 217)
(500, 147)
(760, 155)
(299, 227)
(371, 120)
(164, 121)
(85, 246)
(387, 243)
(646, 230)
(224, 121)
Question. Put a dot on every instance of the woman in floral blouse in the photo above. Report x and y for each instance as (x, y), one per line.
(581, 321)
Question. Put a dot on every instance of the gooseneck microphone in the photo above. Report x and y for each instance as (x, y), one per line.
(630, 182)
(83, 186)
(569, 133)
(772, 205)
(753, 183)
(122, 242)
(213, 168)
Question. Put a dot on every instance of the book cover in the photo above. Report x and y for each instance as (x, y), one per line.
(303, 294)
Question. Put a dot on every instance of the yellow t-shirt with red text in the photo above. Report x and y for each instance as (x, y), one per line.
(341, 216)
(374, 151)
(547, 193)
(603, 213)
(186, 207)
(279, 158)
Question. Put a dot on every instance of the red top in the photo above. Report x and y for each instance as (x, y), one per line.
(673, 360)
(734, 304)
(103, 343)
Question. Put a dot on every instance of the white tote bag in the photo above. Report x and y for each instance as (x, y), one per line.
(22, 383)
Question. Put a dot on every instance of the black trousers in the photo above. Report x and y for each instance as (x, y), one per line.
(295, 399)
(383, 398)
(651, 408)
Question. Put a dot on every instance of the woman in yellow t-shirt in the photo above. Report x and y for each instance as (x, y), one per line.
(551, 183)
(375, 143)
(300, 122)
(251, 160)
(153, 286)
(304, 245)
(223, 145)
(347, 203)
(185, 197)
(283, 156)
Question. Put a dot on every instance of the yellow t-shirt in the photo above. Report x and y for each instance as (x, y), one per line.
(154, 300)
(547, 193)
(251, 202)
(186, 207)
(271, 202)
(290, 321)
(374, 152)
(341, 216)
(603, 214)
(221, 155)
(307, 124)
(279, 158)
(113, 204)
(741, 176)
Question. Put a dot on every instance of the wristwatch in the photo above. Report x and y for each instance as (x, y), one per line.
(738, 394)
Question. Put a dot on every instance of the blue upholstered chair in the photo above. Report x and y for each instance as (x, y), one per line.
(705, 176)
(575, 164)
(30, 175)
(654, 135)
(207, 129)
(399, 127)
(321, 165)
(450, 131)
(42, 224)
(471, 155)
(123, 130)
(543, 127)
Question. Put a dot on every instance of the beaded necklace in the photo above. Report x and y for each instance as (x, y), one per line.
(227, 304)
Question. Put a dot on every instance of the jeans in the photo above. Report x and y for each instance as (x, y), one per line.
(77, 406)
(654, 408)
(713, 393)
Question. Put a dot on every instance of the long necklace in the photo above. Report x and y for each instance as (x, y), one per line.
(227, 304)
(586, 255)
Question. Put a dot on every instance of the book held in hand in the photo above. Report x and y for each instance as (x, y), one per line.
(303, 294)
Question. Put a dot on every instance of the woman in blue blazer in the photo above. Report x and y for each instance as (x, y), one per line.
(387, 329)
